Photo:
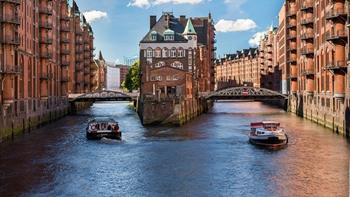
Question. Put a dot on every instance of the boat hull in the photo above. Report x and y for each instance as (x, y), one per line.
(271, 141)
(110, 135)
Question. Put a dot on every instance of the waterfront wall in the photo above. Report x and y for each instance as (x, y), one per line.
(318, 111)
(16, 125)
(171, 111)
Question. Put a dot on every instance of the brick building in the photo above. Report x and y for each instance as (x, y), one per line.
(257, 67)
(318, 66)
(307, 57)
(124, 69)
(37, 54)
(241, 68)
(176, 59)
(98, 74)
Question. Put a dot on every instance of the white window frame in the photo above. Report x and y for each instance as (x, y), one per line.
(165, 52)
(149, 52)
(158, 53)
(173, 52)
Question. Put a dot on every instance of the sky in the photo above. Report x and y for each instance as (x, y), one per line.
(119, 25)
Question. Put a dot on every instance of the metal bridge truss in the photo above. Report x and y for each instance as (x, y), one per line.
(246, 93)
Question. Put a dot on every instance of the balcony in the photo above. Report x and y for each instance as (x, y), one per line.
(291, 60)
(65, 51)
(10, 40)
(65, 18)
(65, 40)
(307, 6)
(214, 49)
(337, 65)
(64, 63)
(10, 19)
(10, 70)
(17, 2)
(78, 42)
(339, 13)
(292, 25)
(45, 10)
(65, 28)
(46, 40)
(336, 36)
(307, 21)
(307, 36)
(307, 51)
(291, 13)
(46, 25)
(308, 72)
(46, 55)
(291, 36)
(64, 79)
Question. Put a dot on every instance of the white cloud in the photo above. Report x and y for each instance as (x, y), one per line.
(149, 3)
(255, 39)
(94, 15)
(235, 25)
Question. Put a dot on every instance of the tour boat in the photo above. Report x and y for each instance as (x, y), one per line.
(268, 134)
(103, 127)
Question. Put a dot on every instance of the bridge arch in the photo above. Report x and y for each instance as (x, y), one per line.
(246, 93)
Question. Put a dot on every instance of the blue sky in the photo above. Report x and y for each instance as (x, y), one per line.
(119, 25)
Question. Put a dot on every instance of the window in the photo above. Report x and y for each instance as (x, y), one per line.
(154, 36)
(158, 53)
(165, 52)
(180, 52)
(159, 78)
(175, 78)
(168, 78)
(159, 64)
(169, 35)
(190, 57)
(177, 64)
(173, 52)
(149, 52)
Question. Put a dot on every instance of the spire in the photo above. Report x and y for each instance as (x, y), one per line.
(100, 57)
(189, 29)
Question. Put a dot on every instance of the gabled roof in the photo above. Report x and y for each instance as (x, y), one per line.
(164, 25)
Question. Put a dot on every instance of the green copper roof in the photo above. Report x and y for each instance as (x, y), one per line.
(189, 29)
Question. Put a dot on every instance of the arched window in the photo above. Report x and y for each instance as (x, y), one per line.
(159, 64)
(158, 53)
(149, 52)
(190, 58)
(165, 52)
(173, 52)
(177, 64)
(180, 52)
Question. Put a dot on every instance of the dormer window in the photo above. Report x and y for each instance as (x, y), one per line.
(154, 36)
(169, 35)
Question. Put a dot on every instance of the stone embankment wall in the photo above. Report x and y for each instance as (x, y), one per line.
(12, 126)
(171, 111)
(318, 111)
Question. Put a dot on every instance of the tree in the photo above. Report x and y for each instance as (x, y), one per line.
(132, 80)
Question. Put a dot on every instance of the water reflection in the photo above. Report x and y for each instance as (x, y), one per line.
(208, 157)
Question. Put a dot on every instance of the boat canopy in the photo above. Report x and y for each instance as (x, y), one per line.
(265, 124)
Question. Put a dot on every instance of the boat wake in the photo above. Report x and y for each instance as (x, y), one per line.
(110, 141)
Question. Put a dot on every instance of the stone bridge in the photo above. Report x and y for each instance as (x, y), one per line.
(103, 95)
(246, 93)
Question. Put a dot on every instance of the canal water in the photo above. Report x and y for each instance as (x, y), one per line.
(209, 156)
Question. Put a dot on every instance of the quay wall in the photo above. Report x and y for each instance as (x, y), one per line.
(15, 125)
(330, 113)
(171, 111)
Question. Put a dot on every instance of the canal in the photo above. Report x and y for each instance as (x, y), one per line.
(210, 156)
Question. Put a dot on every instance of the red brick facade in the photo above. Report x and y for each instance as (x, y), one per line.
(41, 44)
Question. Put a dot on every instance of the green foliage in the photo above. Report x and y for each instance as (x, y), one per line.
(132, 81)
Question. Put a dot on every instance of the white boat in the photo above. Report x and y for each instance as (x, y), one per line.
(103, 127)
(268, 134)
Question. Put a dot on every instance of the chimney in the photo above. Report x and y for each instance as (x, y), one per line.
(152, 21)
(183, 20)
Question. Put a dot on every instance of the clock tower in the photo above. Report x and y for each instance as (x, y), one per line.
(190, 34)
